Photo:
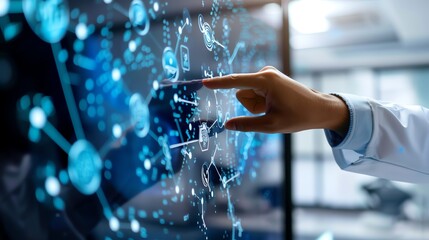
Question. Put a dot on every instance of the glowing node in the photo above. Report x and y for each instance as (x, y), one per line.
(204, 137)
(117, 130)
(135, 226)
(139, 17)
(163, 142)
(84, 167)
(81, 31)
(155, 85)
(116, 74)
(52, 186)
(132, 46)
(180, 30)
(147, 164)
(176, 98)
(205, 175)
(202, 200)
(114, 224)
(4, 7)
(156, 6)
(49, 19)
(170, 64)
(190, 126)
(177, 189)
(207, 32)
(139, 115)
(107, 1)
(37, 117)
(193, 192)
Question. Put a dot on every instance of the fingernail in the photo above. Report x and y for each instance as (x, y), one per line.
(230, 126)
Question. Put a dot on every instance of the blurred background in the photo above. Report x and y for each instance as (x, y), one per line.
(373, 48)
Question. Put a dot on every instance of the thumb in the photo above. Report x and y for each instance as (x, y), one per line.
(251, 124)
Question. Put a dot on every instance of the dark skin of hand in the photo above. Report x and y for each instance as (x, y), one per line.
(286, 105)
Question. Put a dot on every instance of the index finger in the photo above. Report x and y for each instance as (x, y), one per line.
(242, 81)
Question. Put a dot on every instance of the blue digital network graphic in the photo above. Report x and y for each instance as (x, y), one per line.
(136, 110)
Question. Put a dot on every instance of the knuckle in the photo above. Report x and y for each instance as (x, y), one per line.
(233, 76)
(268, 68)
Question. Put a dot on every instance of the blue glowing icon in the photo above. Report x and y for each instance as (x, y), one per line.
(170, 65)
(49, 19)
(84, 167)
(207, 32)
(184, 57)
(204, 137)
(139, 17)
(139, 115)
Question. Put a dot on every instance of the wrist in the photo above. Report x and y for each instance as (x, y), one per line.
(335, 114)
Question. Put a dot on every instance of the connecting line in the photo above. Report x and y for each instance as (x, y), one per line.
(178, 129)
(155, 41)
(106, 208)
(218, 43)
(68, 93)
(187, 101)
(149, 98)
(212, 126)
(84, 62)
(183, 144)
(56, 136)
(120, 9)
(234, 54)
(153, 135)
(156, 156)
(236, 224)
(177, 43)
(105, 149)
(223, 180)
(202, 210)
(229, 180)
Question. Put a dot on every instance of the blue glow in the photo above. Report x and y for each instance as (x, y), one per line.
(116, 74)
(139, 115)
(114, 224)
(84, 167)
(4, 7)
(63, 55)
(11, 30)
(64, 177)
(25, 102)
(37, 117)
(40, 195)
(52, 186)
(81, 31)
(147, 164)
(170, 65)
(117, 131)
(138, 17)
(59, 203)
(135, 226)
(49, 19)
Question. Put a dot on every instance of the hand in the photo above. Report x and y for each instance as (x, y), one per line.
(288, 105)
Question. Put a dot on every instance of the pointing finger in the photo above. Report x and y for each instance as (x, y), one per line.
(243, 80)
(251, 124)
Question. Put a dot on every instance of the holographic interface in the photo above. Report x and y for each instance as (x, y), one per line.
(136, 148)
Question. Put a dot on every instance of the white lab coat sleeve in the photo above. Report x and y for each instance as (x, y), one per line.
(396, 143)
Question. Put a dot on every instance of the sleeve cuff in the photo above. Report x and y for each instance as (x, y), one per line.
(360, 127)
